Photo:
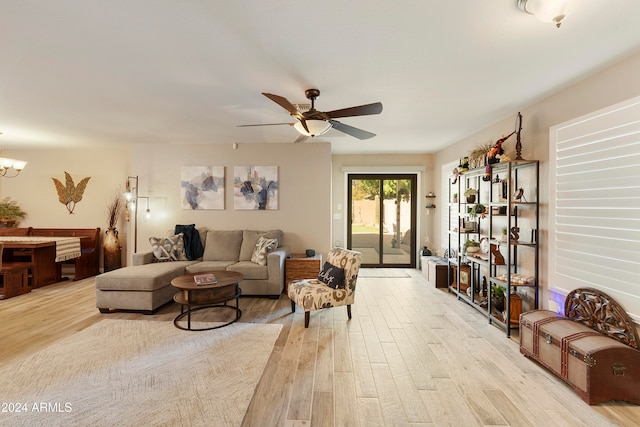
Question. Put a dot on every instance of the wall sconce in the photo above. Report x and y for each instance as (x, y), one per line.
(544, 10)
(132, 197)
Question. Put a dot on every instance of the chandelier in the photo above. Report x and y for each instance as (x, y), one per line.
(7, 164)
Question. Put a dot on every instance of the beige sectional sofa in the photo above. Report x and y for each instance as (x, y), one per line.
(146, 285)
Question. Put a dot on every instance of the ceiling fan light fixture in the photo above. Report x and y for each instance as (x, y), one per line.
(316, 127)
(545, 10)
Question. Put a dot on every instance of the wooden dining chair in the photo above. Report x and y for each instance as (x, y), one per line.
(14, 277)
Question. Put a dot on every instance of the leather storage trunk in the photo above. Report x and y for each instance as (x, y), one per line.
(598, 367)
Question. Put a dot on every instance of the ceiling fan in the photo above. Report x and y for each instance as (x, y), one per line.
(314, 122)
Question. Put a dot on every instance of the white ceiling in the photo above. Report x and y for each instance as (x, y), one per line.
(78, 73)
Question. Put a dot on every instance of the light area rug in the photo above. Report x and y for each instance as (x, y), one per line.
(138, 373)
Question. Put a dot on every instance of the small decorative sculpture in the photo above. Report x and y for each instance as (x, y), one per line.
(456, 174)
(515, 234)
(464, 164)
(518, 131)
(497, 151)
(69, 194)
(498, 259)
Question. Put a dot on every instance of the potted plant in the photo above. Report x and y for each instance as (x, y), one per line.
(470, 194)
(471, 246)
(478, 208)
(10, 213)
(472, 213)
(504, 234)
(455, 197)
(497, 297)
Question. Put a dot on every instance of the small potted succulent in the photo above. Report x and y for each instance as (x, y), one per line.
(10, 213)
(471, 246)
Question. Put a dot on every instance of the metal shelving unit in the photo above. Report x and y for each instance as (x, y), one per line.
(510, 195)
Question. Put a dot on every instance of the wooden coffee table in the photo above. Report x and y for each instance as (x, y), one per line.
(199, 297)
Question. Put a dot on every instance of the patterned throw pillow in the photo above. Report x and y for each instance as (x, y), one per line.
(332, 276)
(263, 247)
(169, 248)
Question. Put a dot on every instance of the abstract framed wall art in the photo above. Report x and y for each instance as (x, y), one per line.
(202, 187)
(255, 187)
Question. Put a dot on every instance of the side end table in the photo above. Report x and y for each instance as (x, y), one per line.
(300, 266)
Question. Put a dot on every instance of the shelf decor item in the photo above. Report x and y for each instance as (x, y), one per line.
(478, 156)
(464, 164)
(470, 194)
(471, 246)
(497, 297)
(515, 234)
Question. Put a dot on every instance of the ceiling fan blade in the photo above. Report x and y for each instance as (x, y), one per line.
(284, 103)
(361, 110)
(301, 138)
(350, 130)
(265, 124)
(303, 122)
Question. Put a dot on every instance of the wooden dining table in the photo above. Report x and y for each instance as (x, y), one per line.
(40, 252)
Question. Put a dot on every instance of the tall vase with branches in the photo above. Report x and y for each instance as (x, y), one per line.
(111, 248)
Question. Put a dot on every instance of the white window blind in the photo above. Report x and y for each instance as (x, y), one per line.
(446, 172)
(595, 204)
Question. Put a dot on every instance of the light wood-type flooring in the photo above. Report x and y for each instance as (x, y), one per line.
(411, 355)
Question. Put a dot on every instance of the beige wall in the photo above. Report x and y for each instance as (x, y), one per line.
(34, 190)
(419, 163)
(304, 196)
(36, 193)
(304, 171)
(612, 85)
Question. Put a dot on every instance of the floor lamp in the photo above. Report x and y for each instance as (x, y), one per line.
(131, 194)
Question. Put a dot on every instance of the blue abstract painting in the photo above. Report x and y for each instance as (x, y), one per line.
(202, 187)
(255, 187)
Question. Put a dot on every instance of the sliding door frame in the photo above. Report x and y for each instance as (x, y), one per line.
(413, 178)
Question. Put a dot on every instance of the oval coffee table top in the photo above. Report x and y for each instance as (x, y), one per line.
(224, 278)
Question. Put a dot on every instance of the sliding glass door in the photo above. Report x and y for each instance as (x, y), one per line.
(381, 221)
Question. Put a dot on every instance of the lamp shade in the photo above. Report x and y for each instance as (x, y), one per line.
(316, 127)
(19, 165)
(546, 10)
(6, 163)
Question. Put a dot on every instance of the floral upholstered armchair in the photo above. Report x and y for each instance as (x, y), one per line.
(332, 290)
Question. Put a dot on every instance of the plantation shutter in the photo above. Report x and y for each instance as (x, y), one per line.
(595, 204)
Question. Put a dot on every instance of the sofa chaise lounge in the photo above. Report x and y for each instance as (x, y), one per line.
(146, 285)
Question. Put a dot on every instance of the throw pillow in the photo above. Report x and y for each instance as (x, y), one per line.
(263, 247)
(169, 248)
(332, 276)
